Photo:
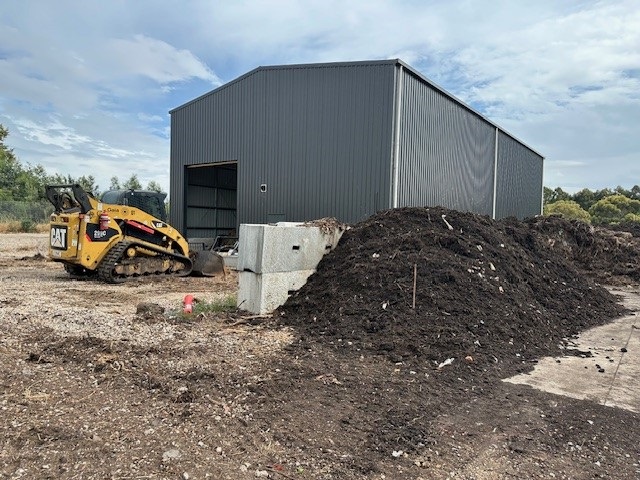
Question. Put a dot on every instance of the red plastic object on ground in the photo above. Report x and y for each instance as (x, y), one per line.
(188, 303)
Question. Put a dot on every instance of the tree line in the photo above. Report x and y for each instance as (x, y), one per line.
(600, 207)
(26, 183)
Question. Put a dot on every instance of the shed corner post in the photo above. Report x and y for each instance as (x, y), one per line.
(542, 188)
(495, 175)
(395, 153)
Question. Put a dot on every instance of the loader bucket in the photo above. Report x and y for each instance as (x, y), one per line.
(208, 264)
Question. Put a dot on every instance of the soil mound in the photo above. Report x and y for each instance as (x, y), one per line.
(609, 255)
(630, 227)
(492, 295)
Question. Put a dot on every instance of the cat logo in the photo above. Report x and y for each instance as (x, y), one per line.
(59, 238)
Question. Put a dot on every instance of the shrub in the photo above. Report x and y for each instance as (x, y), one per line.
(614, 209)
(36, 212)
(568, 209)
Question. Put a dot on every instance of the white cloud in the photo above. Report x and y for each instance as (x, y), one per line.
(88, 84)
(582, 57)
(86, 97)
(53, 133)
(157, 60)
(149, 118)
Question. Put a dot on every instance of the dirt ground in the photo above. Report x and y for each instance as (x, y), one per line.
(362, 375)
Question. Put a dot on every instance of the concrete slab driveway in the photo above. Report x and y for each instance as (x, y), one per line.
(608, 372)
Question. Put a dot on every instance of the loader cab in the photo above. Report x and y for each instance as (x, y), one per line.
(146, 200)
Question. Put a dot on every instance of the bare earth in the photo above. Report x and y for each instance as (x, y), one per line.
(90, 389)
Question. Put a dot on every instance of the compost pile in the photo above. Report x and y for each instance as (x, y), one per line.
(407, 327)
(629, 227)
(490, 295)
(608, 255)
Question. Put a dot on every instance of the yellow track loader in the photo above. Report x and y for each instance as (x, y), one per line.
(122, 236)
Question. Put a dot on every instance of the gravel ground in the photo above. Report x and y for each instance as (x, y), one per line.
(38, 293)
(90, 389)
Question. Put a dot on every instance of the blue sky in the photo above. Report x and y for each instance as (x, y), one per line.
(86, 86)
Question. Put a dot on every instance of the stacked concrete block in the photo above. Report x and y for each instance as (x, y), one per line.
(276, 260)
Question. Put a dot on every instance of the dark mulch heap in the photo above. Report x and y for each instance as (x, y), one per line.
(608, 255)
(629, 227)
(365, 376)
(495, 291)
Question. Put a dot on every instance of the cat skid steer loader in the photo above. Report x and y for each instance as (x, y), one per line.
(122, 236)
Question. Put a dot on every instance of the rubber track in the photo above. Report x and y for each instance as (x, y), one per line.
(107, 266)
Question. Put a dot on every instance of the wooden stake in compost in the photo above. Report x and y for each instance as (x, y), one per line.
(415, 277)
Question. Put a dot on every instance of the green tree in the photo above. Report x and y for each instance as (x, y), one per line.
(40, 174)
(585, 198)
(29, 188)
(551, 196)
(60, 179)
(17, 182)
(568, 209)
(622, 191)
(604, 193)
(547, 195)
(115, 183)
(133, 183)
(88, 183)
(614, 209)
(154, 186)
(10, 169)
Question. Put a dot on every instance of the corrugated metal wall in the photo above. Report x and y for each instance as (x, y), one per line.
(446, 154)
(518, 179)
(323, 139)
(318, 137)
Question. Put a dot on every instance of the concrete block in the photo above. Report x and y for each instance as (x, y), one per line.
(283, 247)
(262, 293)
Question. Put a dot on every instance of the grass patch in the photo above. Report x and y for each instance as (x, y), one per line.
(221, 305)
(225, 304)
(23, 226)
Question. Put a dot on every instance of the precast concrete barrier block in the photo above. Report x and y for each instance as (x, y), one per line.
(283, 247)
(262, 293)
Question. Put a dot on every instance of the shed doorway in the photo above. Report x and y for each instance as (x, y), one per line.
(211, 200)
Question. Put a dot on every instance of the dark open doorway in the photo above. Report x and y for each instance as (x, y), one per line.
(211, 200)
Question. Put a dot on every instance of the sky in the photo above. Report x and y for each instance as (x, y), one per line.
(86, 86)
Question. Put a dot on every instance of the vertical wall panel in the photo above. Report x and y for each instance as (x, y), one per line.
(518, 179)
(446, 154)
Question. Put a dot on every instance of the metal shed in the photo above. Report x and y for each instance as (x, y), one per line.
(299, 142)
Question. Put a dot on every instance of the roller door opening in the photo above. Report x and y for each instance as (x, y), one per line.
(211, 200)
